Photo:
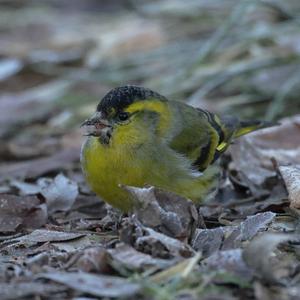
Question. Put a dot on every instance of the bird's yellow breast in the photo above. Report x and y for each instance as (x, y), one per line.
(106, 168)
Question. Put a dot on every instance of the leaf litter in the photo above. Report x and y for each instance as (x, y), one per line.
(26, 212)
(58, 240)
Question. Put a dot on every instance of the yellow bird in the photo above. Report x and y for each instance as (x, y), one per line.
(138, 137)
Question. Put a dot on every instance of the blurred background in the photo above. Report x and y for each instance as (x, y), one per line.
(58, 58)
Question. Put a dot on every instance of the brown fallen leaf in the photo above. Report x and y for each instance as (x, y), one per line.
(96, 285)
(230, 237)
(60, 193)
(251, 226)
(147, 240)
(154, 240)
(247, 229)
(95, 259)
(291, 177)
(209, 241)
(44, 235)
(252, 154)
(89, 205)
(125, 256)
(74, 245)
(21, 213)
(164, 211)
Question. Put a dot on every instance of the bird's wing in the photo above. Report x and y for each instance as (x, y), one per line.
(203, 137)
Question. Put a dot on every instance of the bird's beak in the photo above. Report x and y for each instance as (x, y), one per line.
(95, 125)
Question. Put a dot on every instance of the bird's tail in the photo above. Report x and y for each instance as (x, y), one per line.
(249, 126)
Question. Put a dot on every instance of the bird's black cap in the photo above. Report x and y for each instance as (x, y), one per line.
(121, 97)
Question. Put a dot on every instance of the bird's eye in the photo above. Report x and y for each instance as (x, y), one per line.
(123, 116)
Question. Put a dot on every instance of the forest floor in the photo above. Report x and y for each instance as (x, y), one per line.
(58, 240)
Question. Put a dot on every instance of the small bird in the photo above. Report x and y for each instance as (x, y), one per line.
(138, 137)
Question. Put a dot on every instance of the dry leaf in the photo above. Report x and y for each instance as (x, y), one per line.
(25, 188)
(230, 261)
(149, 241)
(24, 290)
(259, 255)
(131, 259)
(252, 154)
(21, 212)
(154, 240)
(60, 193)
(43, 235)
(248, 229)
(291, 177)
(209, 241)
(73, 245)
(96, 285)
(164, 211)
(230, 237)
(94, 259)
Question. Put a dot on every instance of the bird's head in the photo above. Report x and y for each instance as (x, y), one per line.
(127, 109)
